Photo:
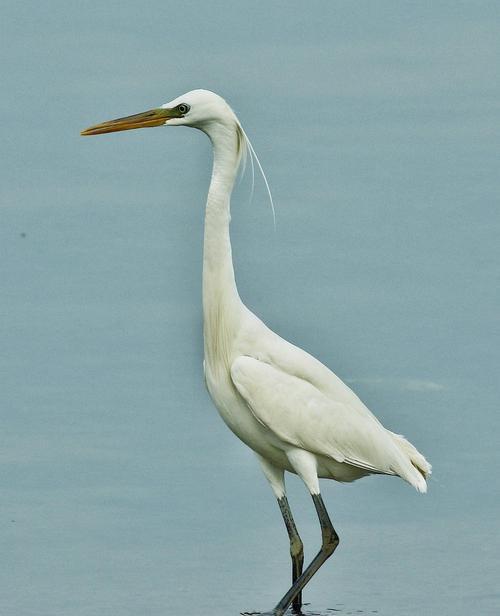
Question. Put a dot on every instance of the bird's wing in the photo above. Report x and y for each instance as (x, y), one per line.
(301, 415)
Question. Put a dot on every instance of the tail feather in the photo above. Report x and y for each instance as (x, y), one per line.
(418, 462)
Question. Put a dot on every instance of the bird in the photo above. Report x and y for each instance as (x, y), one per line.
(283, 403)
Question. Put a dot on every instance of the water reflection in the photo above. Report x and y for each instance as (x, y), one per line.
(339, 609)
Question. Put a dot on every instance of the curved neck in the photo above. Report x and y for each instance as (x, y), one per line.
(221, 301)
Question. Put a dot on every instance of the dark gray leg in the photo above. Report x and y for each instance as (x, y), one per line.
(330, 541)
(296, 548)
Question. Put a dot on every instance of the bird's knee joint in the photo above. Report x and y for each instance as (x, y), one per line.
(296, 548)
(330, 542)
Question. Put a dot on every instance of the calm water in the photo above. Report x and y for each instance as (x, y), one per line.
(122, 491)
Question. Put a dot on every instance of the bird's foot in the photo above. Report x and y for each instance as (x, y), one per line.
(290, 612)
(273, 613)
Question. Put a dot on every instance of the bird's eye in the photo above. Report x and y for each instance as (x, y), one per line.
(183, 108)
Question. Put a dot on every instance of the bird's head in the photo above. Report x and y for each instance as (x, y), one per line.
(200, 109)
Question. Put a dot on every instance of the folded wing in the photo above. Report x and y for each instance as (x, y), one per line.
(302, 416)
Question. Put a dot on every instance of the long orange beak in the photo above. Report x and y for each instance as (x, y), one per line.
(153, 117)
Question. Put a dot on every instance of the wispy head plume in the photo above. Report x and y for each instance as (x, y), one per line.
(247, 149)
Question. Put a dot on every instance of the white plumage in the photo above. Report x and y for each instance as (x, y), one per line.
(282, 402)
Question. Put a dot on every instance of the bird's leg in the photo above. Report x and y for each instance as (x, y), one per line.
(296, 548)
(330, 541)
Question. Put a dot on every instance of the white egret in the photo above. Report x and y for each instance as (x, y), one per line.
(283, 403)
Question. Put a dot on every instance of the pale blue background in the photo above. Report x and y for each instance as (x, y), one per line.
(122, 492)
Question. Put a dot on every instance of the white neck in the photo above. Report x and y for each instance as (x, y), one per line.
(221, 302)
